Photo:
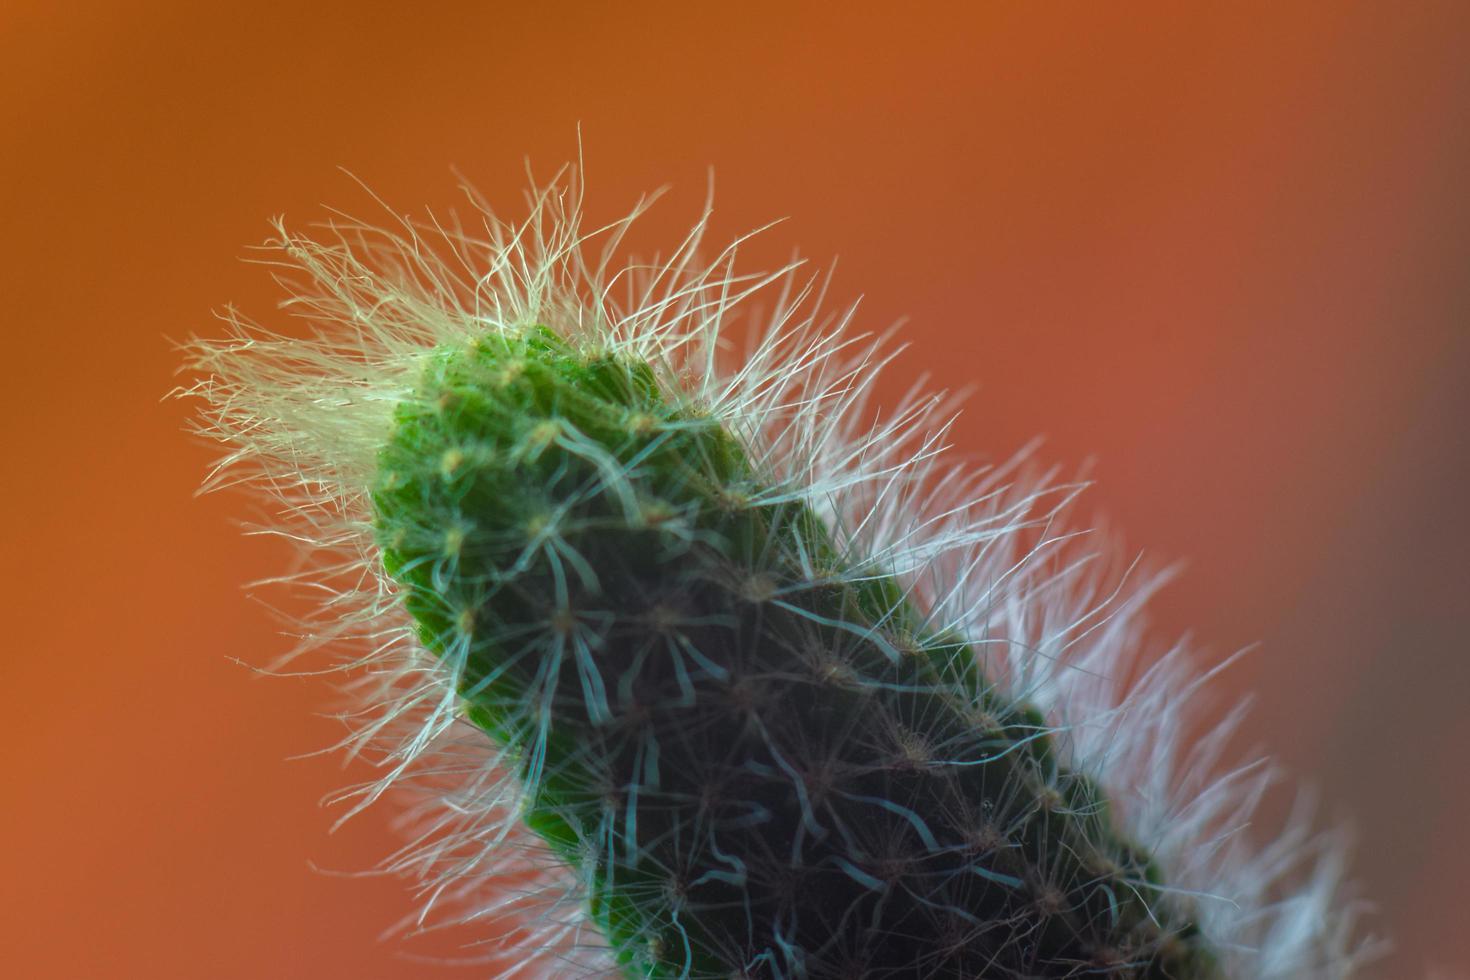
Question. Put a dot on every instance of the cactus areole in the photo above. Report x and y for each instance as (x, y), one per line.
(761, 759)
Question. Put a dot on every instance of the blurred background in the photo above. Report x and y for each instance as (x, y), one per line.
(1220, 253)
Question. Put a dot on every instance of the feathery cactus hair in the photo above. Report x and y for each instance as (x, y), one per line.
(691, 669)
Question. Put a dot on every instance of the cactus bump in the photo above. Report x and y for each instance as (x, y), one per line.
(688, 661)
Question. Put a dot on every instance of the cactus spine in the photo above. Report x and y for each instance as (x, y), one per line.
(768, 691)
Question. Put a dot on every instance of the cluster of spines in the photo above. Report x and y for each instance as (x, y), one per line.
(1005, 586)
(756, 749)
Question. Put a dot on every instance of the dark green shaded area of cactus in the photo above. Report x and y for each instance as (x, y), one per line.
(757, 754)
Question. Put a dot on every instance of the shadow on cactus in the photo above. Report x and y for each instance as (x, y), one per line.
(688, 668)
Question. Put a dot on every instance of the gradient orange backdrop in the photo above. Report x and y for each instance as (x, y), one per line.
(1221, 252)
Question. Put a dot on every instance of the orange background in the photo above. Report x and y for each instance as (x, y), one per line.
(1223, 252)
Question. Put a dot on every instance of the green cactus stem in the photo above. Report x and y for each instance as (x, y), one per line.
(751, 745)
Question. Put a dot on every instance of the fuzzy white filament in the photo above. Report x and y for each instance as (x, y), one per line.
(1052, 614)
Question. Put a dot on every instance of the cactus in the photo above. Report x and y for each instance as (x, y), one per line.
(683, 652)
